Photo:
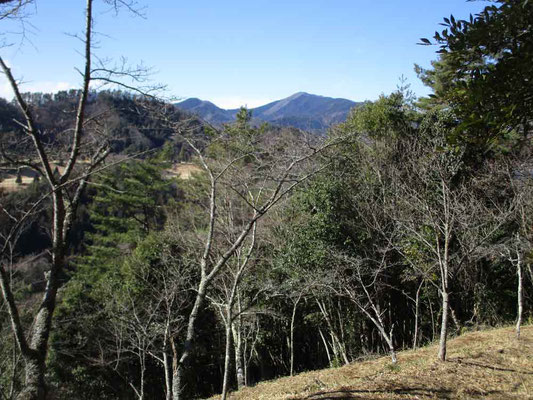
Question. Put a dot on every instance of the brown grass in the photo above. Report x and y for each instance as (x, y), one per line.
(183, 170)
(9, 184)
(481, 365)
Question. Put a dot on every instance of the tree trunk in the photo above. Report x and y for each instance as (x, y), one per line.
(455, 319)
(387, 337)
(417, 308)
(392, 352)
(293, 316)
(35, 365)
(168, 376)
(177, 378)
(325, 346)
(179, 367)
(520, 298)
(433, 328)
(227, 358)
(143, 371)
(338, 347)
(237, 344)
(34, 388)
(444, 326)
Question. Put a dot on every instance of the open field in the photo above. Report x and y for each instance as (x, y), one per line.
(481, 365)
(9, 183)
(183, 170)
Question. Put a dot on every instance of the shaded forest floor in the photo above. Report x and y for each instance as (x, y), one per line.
(481, 365)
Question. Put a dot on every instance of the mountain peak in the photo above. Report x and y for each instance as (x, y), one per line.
(298, 94)
(301, 110)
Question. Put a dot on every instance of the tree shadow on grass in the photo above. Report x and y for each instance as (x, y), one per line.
(491, 367)
(419, 392)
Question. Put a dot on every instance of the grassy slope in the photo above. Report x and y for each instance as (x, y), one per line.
(481, 365)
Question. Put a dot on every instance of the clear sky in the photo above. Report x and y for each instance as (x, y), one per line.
(240, 52)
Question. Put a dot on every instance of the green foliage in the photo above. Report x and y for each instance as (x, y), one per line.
(123, 251)
(484, 72)
(316, 223)
(388, 116)
(238, 139)
(127, 205)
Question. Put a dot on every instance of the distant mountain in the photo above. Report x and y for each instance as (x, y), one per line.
(207, 111)
(301, 110)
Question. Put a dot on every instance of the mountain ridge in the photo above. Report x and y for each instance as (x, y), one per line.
(301, 110)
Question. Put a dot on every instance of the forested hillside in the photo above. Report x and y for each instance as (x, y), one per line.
(278, 251)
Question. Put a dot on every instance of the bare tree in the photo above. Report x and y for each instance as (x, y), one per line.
(261, 174)
(145, 326)
(361, 284)
(514, 253)
(518, 247)
(445, 215)
(64, 190)
(226, 293)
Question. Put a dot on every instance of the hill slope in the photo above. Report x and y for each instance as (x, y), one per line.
(481, 365)
(207, 111)
(301, 110)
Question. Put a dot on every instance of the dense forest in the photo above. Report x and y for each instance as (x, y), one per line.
(281, 251)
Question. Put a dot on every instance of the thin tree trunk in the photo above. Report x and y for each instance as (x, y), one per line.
(444, 326)
(431, 312)
(376, 317)
(520, 299)
(143, 371)
(237, 344)
(227, 358)
(417, 305)
(168, 375)
(444, 270)
(338, 347)
(390, 344)
(293, 316)
(325, 346)
(455, 319)
(387, 337)
(14, 371)
(179, 367)
(248, 359)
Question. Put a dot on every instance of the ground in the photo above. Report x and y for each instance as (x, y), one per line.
(9, 184)
(490, 364)
(183, 170)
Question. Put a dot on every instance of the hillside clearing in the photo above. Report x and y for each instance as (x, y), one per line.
(481, 365)
(183, 170)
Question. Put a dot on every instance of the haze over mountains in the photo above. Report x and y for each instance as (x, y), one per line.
(301, 110)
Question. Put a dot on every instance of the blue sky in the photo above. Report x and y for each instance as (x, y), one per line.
(238, 52)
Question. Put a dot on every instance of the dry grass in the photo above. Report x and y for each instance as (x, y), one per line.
(9, 184)
(481, 365)
(183, 170)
